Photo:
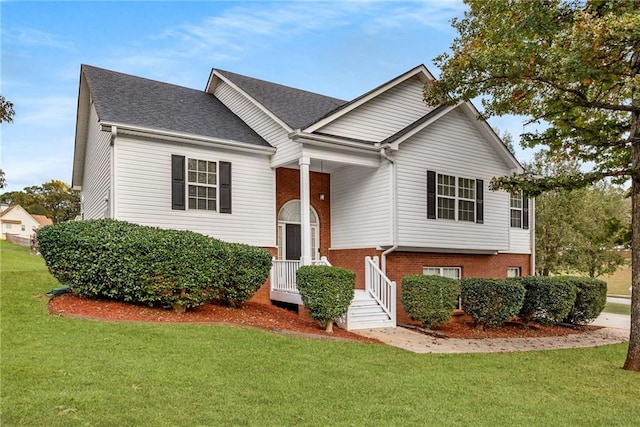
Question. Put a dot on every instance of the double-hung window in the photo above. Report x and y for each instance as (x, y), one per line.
(454, 198)
(199, 184)
(519, 211)
(202, 178)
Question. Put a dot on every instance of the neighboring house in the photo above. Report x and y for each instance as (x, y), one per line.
(312, 179)
(18, 222)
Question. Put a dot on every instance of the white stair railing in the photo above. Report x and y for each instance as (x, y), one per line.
(284, 272)
(283, 275)
(378, 285)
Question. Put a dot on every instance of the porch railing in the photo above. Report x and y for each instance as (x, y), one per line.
(378, 285)
(283, 273)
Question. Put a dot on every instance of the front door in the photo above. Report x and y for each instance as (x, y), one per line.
(293, 243)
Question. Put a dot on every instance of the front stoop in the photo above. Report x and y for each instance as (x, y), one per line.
(365, 313)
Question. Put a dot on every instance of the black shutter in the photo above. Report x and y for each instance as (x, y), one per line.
(225, 187)
(431, 195)
(177, 182)
(525, 212)
(479, 201)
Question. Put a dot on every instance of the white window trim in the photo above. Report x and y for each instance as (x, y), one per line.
(518, 271)
(520, 209)
(207, 185)
(456, 198)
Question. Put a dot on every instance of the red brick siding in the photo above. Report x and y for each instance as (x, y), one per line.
(400, 264)
(288, 188)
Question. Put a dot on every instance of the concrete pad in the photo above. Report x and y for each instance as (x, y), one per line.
(610, 320)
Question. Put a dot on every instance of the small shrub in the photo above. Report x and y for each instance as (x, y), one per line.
(132, 263)
(249, 268)
(326, 292)
(547, 300)
(591, 297)
(429, 299)
(491, 302)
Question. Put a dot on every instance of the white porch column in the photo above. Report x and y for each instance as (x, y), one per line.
(305, 219)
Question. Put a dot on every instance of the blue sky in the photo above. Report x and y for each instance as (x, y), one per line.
(340, 49)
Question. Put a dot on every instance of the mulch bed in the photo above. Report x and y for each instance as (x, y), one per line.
(274, 319)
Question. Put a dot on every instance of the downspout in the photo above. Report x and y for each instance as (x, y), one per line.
(532, 230)
(112, 190)
(394, 202)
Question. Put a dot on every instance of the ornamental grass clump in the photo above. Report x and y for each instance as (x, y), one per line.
(591, 296)
(547, 300)
(146, 265)
(429, 299)
(491, 302)
(326, 292)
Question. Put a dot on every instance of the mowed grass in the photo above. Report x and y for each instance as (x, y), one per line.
(58, 371)
(616, 308)
(618, 283)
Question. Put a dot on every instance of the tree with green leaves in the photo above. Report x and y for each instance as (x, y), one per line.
(6, 110)
(54, 199)
(573, 66)
(3, 182)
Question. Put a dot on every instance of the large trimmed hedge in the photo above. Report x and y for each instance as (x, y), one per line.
(491, 302)
(429, 299)
(591, 297)
(547, 300)
(326, 291)
(249, 268)
(145, 265)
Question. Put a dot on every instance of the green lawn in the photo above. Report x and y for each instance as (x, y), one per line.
(615, 308)
(618, 283)
(57, 371)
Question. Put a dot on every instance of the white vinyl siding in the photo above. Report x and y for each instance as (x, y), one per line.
(452, 146)
(143, 171)
(96, 185)
(383, 115)
(260, 122)
(360, 207)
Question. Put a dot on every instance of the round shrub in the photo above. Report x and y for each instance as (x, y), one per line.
(326, 291)
(132, 263)
(250, 267)
(491, 302)
(429, 299)
(591, 297)
(547, 300)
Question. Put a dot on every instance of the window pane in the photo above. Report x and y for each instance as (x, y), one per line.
(466, 210)
(193, 176)
(446, 208)
(212, 167)
(211, 205)
(466, 188)
(451, 272)
(202, 204)
(202, 178)
(193, 164)
(211, 179)
(516, 201)
(211, 193)
(202, 192)
(202, 166)
(192, 203)
(516, 218)
(193, 190)
(431, 271)
(446, 185)
(513, 272)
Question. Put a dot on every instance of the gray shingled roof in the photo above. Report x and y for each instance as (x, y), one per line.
(127, 99)
(297, 108)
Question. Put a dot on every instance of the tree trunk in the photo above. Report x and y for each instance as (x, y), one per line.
(329, 328)
(632, 362)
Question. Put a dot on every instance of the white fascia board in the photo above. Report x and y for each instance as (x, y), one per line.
(420, 71)
(213, 83)
(334, 142)
(395, 144)
(490, 251)
(161, 135)
(82, 124)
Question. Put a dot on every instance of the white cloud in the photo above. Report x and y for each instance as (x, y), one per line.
(30, 37)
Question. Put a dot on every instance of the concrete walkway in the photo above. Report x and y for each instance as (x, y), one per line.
(617, 300)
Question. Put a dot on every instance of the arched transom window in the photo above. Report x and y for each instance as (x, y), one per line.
(291, 212)
(289, 231)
